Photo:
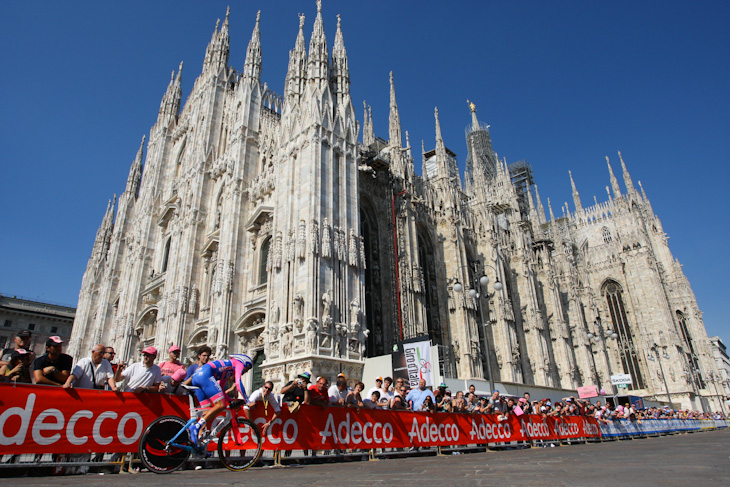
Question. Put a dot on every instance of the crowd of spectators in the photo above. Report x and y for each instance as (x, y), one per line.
(99, 371)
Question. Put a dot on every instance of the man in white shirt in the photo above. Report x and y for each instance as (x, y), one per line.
(141, 376)
(338, 392)
(92, 372)
(378, 387)
(265, 396)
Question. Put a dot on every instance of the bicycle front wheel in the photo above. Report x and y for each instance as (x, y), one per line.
(154, 451)
(239, 448)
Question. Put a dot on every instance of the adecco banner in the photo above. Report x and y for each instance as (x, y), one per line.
(42, 419)
(47, 419)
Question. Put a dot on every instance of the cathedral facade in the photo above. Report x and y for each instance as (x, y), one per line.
(265, 224)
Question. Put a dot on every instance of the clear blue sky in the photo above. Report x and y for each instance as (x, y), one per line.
(562, 84)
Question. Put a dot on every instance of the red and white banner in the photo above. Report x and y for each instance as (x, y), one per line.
(48, 419)
(43, 419)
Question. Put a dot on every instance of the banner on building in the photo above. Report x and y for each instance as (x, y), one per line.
(412, 361)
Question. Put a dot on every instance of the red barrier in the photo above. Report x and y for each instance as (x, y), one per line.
(42, 419)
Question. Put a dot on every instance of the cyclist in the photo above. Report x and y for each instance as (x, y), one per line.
(209, 379)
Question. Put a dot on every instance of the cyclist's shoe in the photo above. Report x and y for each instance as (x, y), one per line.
(194, 430)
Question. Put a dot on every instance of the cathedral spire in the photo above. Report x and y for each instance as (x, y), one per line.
(534, 217)
(170, 104)
(340, 68)
(394, 129)
(297, 71)
(441, 159)
(576, 196)
(424, 171)
(318, 64)
(368, 133)
(252, 65)
(627, 177)
(474, 120)
(135, 172)
(550, 207)
(614, 181)
(540, 208)
(216, 54)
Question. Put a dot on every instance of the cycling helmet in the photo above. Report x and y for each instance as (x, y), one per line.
(244, 359)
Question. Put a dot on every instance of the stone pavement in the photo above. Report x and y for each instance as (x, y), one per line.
(679, 460)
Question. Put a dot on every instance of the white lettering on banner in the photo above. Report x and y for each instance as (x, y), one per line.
(535, 430)
(488, 431)
(72, 438)
(53, 420)
(102, 440)
(347, 431)
(428, 432)
(590, 429)
(24, 414)
(565, 429)
(128, 440)
(289, 431)
(39, 426)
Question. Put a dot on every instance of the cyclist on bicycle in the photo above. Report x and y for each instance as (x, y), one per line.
(210, 379)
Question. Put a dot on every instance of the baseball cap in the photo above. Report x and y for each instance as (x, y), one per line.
(173, 348)
(442, 385)
(496, 391)
(179, 375)
(53, 341)
(24, 334)
(150, 351)
(378, 378)
(19, 352)
(306, 376)
(341, 375)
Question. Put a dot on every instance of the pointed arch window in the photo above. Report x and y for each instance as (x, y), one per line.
(263, 260)
(166, 254)
(689, 351)
(627, 350)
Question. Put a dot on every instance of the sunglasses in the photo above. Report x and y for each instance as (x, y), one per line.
(267, 388)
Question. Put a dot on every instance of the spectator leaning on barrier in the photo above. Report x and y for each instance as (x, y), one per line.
(318, 393)
(399, 398)
(339, 390)
(173, 364)
(372, 401)
(92, 372)
(172, 384)
(141, 376)
(54, 366)
(266, 397)
(445, 403)
(22, 341)
(377, 387)
(295, 392)
(204, 353)
(354, 397)
(109, 355)
(416, 397)
(17, 370)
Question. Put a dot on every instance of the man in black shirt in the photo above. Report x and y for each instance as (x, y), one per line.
(53, 367)
(295, 391)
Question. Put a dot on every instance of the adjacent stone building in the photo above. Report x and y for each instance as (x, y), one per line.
(41, 319)
(263, 224)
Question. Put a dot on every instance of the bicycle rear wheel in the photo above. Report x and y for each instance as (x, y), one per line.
(153, 449)
(240, 453)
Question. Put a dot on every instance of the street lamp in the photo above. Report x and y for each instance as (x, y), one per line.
(715, 378)
(655, 348)
(480, 282)
(601, 335)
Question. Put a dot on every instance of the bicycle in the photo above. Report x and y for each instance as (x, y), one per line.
(165, 444)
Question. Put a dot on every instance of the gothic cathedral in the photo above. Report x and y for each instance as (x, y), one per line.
(259, 223)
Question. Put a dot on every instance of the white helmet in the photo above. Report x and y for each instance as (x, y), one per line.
(244, 359)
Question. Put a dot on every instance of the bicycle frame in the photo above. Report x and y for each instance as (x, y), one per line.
(219, 423)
